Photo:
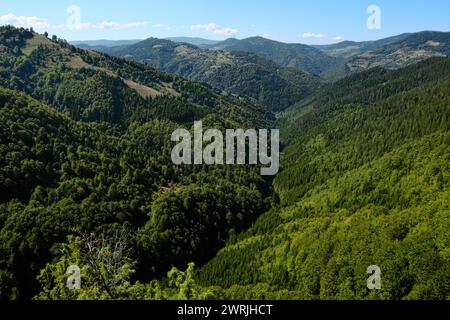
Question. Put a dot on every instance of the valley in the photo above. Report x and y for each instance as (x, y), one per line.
(86, 174)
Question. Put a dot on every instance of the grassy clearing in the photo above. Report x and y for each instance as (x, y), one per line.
(33, 44)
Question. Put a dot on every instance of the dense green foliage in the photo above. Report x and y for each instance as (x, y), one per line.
(100, 282)
(366, 182)
(86, 179)
(60, 176)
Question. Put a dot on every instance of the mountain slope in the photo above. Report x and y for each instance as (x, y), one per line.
(412, 49)
(347, 49)
(298, 56)
(96, 159)
(238, 72)
(91, 86)
(365, 181)
(389, 53)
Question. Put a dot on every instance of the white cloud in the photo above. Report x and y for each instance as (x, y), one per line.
(338, 38)
(44, 24)
(267, 36)
(214, 28)
(311, 35)
(28, 22)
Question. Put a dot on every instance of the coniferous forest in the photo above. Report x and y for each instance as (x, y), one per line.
(86, 176)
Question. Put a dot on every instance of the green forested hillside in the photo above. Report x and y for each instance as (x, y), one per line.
(298, 56)
(90, 86)
(347, 49)
(336, 61)
(241, 73)
(86, 179)
(96, 161)
(365, 181)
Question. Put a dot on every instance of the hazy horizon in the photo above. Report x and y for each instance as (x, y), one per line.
(315, 23)
(206, 39)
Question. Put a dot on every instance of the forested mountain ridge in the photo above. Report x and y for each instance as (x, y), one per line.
(366, 182)
(390, 53)
(347, 49)
(242, 73)
(339, 60)
(297, 56)
(96, 162)
(372, 100)
(331, 62)
(91, 86)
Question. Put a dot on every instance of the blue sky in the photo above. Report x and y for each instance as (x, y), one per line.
(304, 21)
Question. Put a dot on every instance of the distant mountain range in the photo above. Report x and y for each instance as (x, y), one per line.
(347, 49)
(331, 62)
(242, 73)
(298, 56)
(339, 60)
(275, 73)
(200, 42)
(103, 43)
(390, 53)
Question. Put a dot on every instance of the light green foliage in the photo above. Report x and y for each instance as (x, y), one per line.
(365, 182)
